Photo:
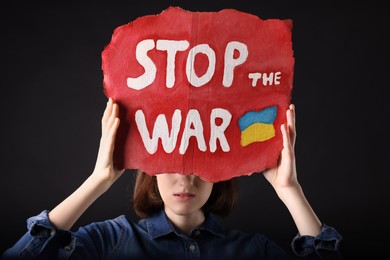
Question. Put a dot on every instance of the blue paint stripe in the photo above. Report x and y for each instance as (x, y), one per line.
(265, 116)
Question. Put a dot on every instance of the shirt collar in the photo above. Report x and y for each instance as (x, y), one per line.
(159, 225)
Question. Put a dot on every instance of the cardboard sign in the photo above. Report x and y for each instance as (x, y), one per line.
(200, 93)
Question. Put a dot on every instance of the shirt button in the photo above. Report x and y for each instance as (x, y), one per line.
(192, 248)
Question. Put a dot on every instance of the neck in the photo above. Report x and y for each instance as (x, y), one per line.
(186, 222)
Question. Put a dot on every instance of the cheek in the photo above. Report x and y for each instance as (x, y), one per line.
(163, 187)
(206, 191)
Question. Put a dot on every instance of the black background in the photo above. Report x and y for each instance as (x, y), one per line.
(52, 102)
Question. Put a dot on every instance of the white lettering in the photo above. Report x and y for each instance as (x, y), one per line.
(150, 68)
(255, 77)
(193, 127)
(218, 132)
(190, 69)
(172, 47)
(231, 62)
(193, 119)
(273, 78)
(160, 131)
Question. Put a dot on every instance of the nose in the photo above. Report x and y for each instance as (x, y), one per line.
(186, 180)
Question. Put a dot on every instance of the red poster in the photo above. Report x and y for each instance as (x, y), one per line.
(200, 93)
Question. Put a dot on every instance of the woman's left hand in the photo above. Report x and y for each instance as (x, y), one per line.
(284, 175)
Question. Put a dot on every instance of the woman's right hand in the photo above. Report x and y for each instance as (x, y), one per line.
(105, 170)
(65, 214)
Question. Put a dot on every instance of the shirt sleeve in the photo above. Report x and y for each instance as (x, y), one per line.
(41, 241)
(324, 245)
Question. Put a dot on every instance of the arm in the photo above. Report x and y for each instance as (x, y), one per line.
(64, 215)
(48, 234)
(283, 179)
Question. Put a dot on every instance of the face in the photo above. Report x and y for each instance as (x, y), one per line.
(183, 194)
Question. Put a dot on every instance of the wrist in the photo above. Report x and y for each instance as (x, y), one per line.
(99, 182)
(301, 211)
(290, 194)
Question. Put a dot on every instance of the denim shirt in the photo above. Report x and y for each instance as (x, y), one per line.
(156, 238)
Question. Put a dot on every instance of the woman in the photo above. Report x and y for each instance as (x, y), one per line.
(177, 215)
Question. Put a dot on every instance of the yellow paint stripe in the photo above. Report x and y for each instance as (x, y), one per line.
(257, 132)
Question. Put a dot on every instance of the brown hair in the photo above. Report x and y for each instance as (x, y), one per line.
(147, 200)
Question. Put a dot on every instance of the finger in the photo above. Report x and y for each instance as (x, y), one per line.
(113, 130)
(290, 118)
(110, 142)
(291, 129)
(112, 123)
(113, 116)
(107, 111)
(286, 138)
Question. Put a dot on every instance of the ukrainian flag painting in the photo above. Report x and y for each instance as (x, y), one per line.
(257, 126)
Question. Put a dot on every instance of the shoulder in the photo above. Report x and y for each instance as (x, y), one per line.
(213, 225)
(112, 229)
(231, 234)
(121, 222)
(246, 237)
(109, 235)
(253, 245)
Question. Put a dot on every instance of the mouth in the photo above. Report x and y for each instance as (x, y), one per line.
(184, 195)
